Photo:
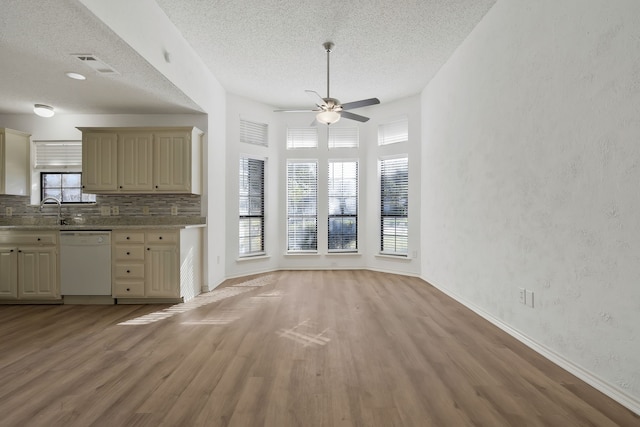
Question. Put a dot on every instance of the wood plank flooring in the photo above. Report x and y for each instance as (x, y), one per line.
(290, 348)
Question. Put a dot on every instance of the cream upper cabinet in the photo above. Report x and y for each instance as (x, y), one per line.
(135, 161)
(99, 161)
(14, 162)
(144, 160)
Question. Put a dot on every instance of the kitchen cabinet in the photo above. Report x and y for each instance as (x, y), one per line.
(156, 264)
(142, 160)
(14, 162)
(29, 265)
(99, 162)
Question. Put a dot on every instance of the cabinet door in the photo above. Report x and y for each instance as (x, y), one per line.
(2, 162)
(8, 273)
(99, 161)
(172, 161)
(37, 272)
(135, 162)
(161, 271)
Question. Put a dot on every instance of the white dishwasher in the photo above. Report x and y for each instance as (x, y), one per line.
(85, 263)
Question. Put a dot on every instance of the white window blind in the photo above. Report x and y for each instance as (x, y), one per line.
(343, 137)
(302, 206)
(58, 154)
(343, 206)
(302, 138)
(393, 132)
(251, 198)
(394, 206)
(254, 133)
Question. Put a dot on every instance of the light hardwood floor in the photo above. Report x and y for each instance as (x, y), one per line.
(290, 348)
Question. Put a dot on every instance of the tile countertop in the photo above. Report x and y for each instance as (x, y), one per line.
(101, 223)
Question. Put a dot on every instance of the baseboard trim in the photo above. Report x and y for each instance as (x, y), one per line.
(593, 380)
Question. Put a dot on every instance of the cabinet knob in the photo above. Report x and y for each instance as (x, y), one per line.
(128, 289)
(19, 250)
(121, 186)
(128, 253)
(38, 239)
(148, 249)
(159, 238)
(128, 237)
(11, 250)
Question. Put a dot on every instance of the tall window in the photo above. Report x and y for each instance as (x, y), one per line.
(343, 206)
(302, 206)
(64, 186)
(394, 204)
(251, 233)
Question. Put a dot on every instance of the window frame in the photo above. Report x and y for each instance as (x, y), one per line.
(249, 216)
(405, 215)
(355, 216)
(62, 187)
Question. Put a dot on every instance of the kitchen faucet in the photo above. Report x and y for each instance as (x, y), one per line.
(53, 199)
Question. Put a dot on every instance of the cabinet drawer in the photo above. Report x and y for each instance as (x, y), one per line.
(129, 253)
(28, 238)
(133, 237)
(124, 288)
(169, 236)
(129, 271)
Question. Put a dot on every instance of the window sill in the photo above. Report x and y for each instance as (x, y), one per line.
(401, 258)
(344, 254)
(253, 258)
(301, 254)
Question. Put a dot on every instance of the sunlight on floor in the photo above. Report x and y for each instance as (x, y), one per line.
(209, 298)
(303, 334)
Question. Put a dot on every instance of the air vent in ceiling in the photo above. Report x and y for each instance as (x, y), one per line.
(93, 62)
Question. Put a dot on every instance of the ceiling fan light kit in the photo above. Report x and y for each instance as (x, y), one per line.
(330, 110)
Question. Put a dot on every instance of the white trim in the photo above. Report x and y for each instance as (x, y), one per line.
(590, 378)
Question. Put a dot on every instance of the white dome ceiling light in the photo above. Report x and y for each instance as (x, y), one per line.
(43, 110)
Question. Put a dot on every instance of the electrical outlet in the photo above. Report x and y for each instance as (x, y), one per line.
(105, 211)
(145, 210)
(174, 210)
(115, 210)
(529, 298)
(523, 295)
(8, 211)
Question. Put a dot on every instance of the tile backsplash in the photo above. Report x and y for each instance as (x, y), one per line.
(118, 205)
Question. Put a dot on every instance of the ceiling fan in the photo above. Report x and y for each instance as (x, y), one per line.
(330, 110)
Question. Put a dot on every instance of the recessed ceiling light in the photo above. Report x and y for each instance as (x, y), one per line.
(75, 76)
(43, 110)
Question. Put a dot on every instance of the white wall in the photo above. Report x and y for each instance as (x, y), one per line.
(531, 170)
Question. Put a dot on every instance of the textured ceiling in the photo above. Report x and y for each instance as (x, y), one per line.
(266, 50)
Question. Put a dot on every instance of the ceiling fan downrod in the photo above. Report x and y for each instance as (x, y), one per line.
(327, 47)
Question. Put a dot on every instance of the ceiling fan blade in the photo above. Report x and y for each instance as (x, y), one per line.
(296, 111)
(356, 117)
(361, 103)
(316, 93)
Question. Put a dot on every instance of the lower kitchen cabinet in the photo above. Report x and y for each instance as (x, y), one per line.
(156, 264)
(29, 265)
